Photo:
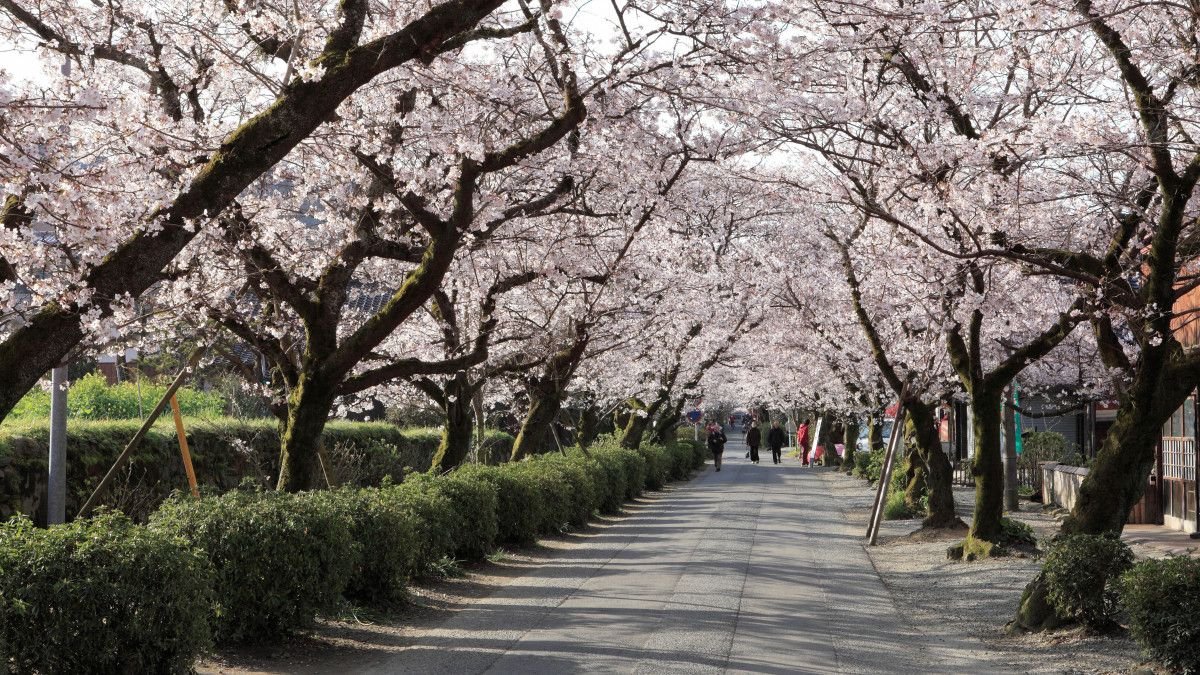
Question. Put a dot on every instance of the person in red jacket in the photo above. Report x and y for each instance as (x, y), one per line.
(803, 442)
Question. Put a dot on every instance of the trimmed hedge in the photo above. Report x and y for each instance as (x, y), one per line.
(224, 451)
(278, 559)
(101, 595)
(255, 566)
(473, 504)
(1162, 599)
(386, 534)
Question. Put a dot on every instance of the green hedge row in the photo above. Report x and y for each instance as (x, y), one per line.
(224, 451)
(106, 595)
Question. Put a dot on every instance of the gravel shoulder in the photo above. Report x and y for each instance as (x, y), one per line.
(954, 602)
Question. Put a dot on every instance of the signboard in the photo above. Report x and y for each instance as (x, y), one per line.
(694, 416)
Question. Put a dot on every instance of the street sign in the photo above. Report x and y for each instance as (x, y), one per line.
(694, 416)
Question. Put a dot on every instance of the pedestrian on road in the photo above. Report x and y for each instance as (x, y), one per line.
(802, 441)
(753, 439)
(716, 443)
(775, 438)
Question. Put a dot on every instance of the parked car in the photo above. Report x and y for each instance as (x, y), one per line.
(862, 435)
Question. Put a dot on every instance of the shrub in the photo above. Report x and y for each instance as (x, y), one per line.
(861, 460)
(1082, 573)
(612, 478)
(473, 502)
(658, 466)
(583, 499)
(100, 595)
(1014, 532)
(874, 466)
(519, 502)
(92, 398)
(633, 468)
(278, 559)
(1162, 599)
(436, 523)
(681, 458)
(895, 508)
(554, 495)
(386, 535)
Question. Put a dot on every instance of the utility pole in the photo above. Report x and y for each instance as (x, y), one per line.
(1010, 453)
(56, 487)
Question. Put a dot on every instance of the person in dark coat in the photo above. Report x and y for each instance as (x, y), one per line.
(775, 439)
(754, 439)
(716, 443)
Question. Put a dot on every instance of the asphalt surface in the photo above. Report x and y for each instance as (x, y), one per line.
(751, 569)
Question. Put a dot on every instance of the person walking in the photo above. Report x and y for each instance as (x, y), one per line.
(753, 439)
(775, 438)
(802, 442)
(716, 443)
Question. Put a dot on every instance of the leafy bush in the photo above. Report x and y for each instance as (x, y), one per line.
(874, 466)
(1082, 573)
(1162, 599)
(612, 476)
(554, 495)
(519, 502)
(100, 595)
(682, 459)
(436, 523)
(386, 535)
(861, 461)
(633, 467)
(658, 466)
(92, 398)
(473, 526)
(278, 559)
(895, 508)
(583, 498)
(1014, 532)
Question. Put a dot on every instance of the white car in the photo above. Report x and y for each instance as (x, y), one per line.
(862, 435)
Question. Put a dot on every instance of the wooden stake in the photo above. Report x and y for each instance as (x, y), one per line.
(141, 433)
(888, 464)
(183, 447)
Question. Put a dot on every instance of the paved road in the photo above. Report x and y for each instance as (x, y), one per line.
(753, 569)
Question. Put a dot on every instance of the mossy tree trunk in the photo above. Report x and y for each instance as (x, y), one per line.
(639, 419)
(546, 391)
(458, 423)
(987, 466)
(300, 455)
(850, 441)
(589, 425)
(920, 425)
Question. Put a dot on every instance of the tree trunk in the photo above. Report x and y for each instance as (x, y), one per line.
(916, 485)
(987, 466)
(589, 426)
(635, 428)
(875, 433)
(457, 428)
(850, 440)
(300, 458)
(919, 425)
(534, 437)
